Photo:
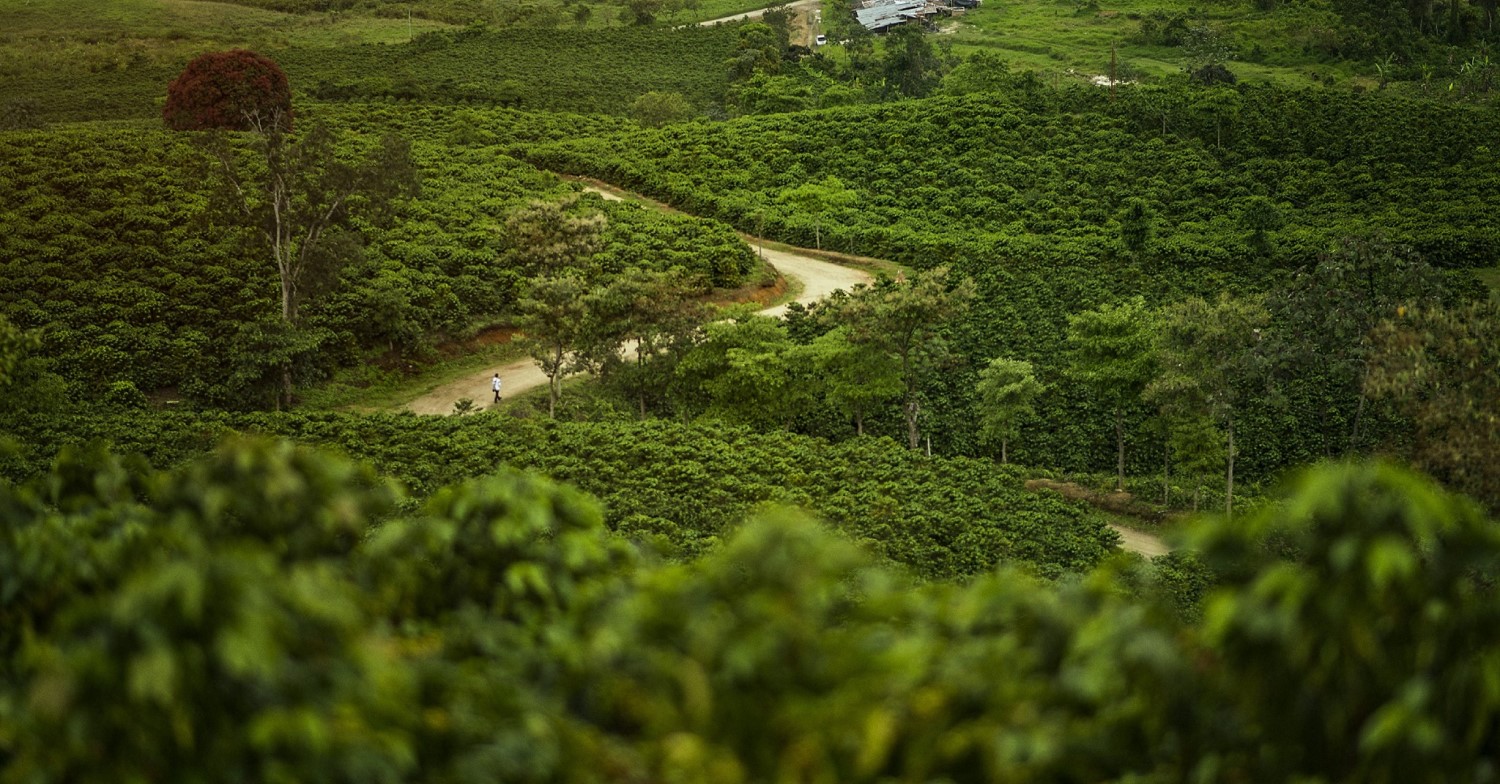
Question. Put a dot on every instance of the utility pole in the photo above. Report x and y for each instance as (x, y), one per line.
(1113, 71)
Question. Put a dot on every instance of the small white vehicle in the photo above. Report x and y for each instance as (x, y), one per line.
(820, 40)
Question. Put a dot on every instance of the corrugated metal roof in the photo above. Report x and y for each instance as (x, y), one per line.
(889, 13)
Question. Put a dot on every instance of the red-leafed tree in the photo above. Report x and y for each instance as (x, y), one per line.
(300, 191)
(237, 90)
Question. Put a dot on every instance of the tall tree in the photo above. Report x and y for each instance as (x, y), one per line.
(857, 376)
(778, 17)
(1190, 438)
(641, 12)
(1442, 367)
(982, 72)
(748, 370)
(1198, 447)
(1109, 351)
(551, 316)
(299, 193)
(1008, 389)
(640, 325)
(758, 51)
(557, 248)
(904, 319)
(819, 199)
(1329, 312)
(548, 237)
(1216, 354)
(911, 68)
(655, 109)
(237, 90)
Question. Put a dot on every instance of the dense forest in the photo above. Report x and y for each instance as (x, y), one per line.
(1150, 433)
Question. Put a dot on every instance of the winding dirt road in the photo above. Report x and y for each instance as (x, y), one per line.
(818, 278)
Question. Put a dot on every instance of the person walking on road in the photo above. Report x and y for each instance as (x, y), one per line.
(495, 385)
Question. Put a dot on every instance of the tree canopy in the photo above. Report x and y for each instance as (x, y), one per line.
(270, 613)
(237, 90)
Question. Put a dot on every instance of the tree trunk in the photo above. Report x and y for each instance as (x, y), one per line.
(1229, 481)
(912, 405)
(1113, 69)
(288, 299)
(289, 318)
(818, 233)
(1359, 413)
(1166, 475)
(554, 383)
(1004, 456)
(1120, 445)
(859, 423)
(640, 365)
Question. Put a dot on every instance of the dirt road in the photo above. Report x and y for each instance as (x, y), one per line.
(819, 279)
(757, 14)
(1140, 542)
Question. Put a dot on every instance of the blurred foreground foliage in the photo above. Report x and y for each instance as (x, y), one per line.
(267, 614)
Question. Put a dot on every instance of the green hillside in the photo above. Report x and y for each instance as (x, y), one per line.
(67, 64)
(111, 244)
(799, 404)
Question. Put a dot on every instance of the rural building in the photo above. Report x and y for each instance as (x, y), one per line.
(880, 15)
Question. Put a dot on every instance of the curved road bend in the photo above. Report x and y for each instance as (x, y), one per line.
(819, 279)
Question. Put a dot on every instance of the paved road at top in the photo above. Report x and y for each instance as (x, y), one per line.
(760, 13)
(818, 278)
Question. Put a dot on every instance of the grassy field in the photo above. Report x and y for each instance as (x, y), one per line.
(75, 60)
(69, 60)
(1491, 278)
(1073, 39)
(116, 34)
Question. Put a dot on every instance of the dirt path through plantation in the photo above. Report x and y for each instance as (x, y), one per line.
(1118, 503)
(1140, 542)
(818, 278)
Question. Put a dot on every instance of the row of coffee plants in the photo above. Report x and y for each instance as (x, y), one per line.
(1056, 203)
(570, 69)
(683, 486)
(1046, 176)
(116, 244)
(267, 614)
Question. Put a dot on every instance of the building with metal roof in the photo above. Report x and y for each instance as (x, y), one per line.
(885, 15)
